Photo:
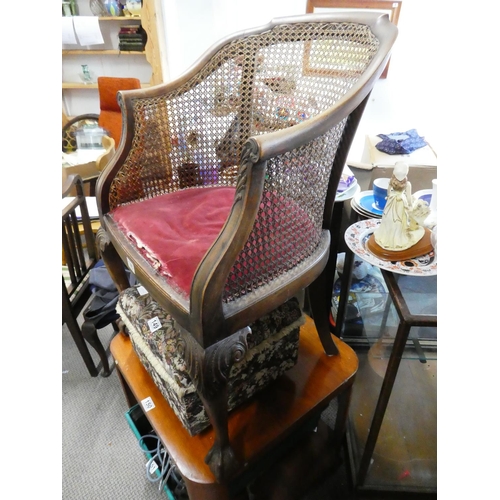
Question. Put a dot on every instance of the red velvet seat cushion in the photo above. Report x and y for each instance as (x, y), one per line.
(175, 230)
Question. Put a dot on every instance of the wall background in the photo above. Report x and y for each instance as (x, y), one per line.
(405, 100)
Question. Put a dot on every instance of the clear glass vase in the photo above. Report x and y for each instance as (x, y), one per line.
(97, 8)
(86, 75)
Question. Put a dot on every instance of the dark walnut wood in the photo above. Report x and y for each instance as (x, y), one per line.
(79, 256)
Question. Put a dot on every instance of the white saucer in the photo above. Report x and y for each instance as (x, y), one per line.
(351, 191)
(356, 237)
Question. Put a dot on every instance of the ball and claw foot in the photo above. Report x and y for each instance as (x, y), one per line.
(222, 461)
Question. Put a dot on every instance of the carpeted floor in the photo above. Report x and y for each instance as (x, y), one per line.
(101, 458)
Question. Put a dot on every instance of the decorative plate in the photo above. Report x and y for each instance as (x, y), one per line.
(356, 237)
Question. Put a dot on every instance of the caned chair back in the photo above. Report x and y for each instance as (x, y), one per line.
(270, 112)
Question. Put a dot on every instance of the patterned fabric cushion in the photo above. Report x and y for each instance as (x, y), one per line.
(272, 350)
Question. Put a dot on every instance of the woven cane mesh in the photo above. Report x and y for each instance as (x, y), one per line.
(193, 135)
(289, 221)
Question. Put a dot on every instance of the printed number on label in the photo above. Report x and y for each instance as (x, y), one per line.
(154, 324)
(147, 404)
(152, 467)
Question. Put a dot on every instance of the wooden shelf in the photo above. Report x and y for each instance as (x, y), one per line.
(72, 85)
(79, 52)
(85, 86)
(106, 59)
(120, 18)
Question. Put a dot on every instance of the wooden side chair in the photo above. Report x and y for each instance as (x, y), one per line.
(79, 257)
(71, 126)
(220, 200)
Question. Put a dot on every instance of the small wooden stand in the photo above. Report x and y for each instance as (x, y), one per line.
(258, 427)
(423, 247)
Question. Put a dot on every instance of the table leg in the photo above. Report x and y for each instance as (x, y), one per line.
(129, 396)
(197, 491)
(383, 400)
(345, 284)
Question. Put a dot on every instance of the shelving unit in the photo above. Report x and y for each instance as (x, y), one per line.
(107, 60)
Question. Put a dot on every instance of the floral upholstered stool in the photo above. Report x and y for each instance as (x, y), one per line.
(272, 350)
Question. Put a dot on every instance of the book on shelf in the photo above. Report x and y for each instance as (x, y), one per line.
(131, 29)
(131, 47)
(132, 38)
(133, 41)
(126, 32)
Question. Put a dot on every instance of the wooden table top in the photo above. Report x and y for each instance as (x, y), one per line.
(256, 425)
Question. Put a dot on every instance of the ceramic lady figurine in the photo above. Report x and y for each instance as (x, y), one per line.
(400, 227)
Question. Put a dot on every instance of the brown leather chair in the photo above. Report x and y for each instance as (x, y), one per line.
(220, 199)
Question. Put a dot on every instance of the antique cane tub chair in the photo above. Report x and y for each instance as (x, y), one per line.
(220, 195)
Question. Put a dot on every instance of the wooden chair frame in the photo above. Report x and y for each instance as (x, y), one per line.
(213, 332)
(81, 257)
